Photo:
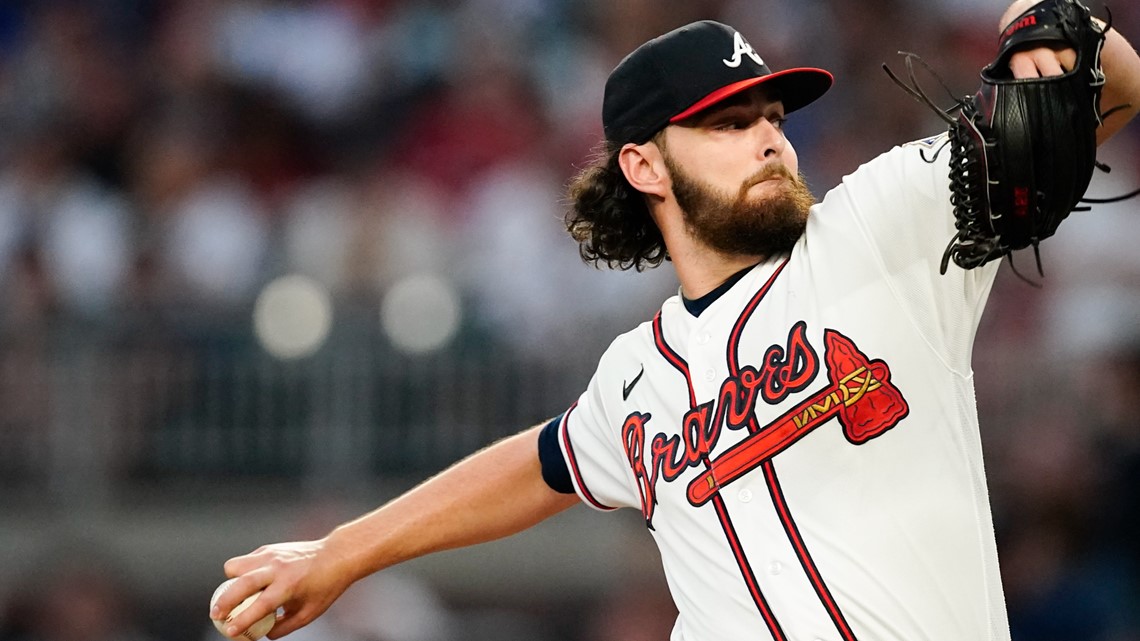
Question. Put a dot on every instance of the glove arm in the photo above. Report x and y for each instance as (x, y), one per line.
(1122, 84)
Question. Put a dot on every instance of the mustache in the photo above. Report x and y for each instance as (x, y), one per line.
(768, 172)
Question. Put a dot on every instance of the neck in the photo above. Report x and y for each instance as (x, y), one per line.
(702, 272)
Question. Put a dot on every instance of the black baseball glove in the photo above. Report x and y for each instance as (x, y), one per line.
(1023, 150)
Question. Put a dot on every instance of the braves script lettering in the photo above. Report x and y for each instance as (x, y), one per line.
(785, 369)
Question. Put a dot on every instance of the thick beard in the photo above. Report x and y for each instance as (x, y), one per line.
(743, 225)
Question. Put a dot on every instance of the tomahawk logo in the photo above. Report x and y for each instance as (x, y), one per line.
(740, 48)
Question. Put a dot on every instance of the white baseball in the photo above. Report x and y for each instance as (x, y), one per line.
(255, 631)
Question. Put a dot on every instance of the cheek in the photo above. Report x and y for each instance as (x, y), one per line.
(719, 168)
(791, 159)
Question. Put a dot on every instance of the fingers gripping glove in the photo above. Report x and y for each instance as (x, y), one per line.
(1023, 151)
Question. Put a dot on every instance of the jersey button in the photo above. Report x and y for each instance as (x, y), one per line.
(745, 496)
(703, 339)
(710, 375)
(775, 567)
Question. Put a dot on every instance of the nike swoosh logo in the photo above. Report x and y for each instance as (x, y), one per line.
(626, 389)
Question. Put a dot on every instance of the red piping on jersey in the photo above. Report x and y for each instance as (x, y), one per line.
(778, 501)
(726, 525)
(802, 552)
(673, 357)
(574, 462)
(746, 571)
(734, 337)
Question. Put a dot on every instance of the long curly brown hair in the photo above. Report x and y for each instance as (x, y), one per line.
(610, 219)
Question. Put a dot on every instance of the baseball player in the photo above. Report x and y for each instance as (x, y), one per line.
(797, 426)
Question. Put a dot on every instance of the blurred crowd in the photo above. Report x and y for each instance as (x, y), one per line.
(168, 158)
(163, 160)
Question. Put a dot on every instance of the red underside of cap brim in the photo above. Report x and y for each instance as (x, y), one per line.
(798, 88)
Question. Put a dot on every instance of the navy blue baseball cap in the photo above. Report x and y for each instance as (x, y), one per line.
(676, 75)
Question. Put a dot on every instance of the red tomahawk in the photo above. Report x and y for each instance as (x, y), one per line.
(860, 393)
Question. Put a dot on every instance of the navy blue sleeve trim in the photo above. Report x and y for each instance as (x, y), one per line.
(554, 469)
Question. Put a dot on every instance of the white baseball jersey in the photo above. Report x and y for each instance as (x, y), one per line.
(806, 451)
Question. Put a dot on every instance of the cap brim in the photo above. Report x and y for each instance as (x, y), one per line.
(796, 88)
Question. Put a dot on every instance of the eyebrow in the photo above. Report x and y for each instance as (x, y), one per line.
(739, 102)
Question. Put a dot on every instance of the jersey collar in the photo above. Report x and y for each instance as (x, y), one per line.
(698, 305)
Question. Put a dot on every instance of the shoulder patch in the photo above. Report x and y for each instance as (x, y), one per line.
(930, 142)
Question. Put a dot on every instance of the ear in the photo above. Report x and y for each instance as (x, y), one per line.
(644, 168)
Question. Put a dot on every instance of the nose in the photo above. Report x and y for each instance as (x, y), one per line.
(770, 141)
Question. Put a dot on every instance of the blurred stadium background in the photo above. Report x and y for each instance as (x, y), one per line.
(266, 263)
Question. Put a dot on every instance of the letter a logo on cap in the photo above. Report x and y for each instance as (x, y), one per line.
(740, 47)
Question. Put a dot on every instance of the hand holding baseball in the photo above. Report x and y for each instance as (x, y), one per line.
(256, 631)
(302, 578)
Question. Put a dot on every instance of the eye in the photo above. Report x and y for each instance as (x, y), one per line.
(778, 122)
(733, 124)
(738, 123)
